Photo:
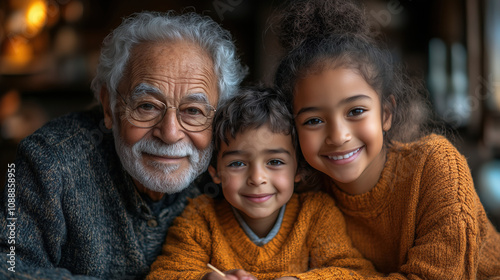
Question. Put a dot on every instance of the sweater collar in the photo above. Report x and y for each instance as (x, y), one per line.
(377, 199)
(253, 237)
(241, 243)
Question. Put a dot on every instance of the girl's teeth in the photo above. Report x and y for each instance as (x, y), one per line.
(344, 156)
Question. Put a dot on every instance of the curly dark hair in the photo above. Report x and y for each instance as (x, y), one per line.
(328, 34)
(297, 20)
(251, 108)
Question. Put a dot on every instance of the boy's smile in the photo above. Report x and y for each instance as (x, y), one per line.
(257, 198)
(340, 124)
(257, 171)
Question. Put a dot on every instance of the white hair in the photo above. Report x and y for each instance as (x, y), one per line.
(154, 27)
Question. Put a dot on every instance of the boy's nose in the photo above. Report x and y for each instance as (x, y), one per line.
(257, 176)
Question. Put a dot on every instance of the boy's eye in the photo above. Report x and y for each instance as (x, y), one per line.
(236, 164)
(313, 121)
(275, 162)
(356, 112)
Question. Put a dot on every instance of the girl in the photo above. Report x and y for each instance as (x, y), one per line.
(406, 193)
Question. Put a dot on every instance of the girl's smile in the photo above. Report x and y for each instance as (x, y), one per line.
(344, 157)
(340, 124)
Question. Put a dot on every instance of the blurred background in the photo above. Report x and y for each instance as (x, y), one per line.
(49, 51)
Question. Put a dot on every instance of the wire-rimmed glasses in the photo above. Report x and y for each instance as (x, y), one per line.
(147, 111)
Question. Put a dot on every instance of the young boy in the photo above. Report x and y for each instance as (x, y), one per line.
(261, 229)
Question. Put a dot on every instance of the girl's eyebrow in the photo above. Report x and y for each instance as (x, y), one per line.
(355, 98)
(342, 102)
(306, 109)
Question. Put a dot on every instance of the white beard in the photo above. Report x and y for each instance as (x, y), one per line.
(165, 178)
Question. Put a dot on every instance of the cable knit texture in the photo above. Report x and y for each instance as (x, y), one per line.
(78, 213)
(312, 236)
(423, 219)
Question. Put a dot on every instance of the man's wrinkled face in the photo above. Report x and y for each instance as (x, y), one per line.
(164, 158)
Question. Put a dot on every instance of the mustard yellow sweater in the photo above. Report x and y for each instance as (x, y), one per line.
(312, 235)
(423, 219)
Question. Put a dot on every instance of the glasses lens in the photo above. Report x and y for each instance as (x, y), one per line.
(196, 115)
(145, 112)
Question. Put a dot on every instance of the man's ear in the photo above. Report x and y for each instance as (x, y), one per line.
(213, 173)
(387, 114)
(106, 107)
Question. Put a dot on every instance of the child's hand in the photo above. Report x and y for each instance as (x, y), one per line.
(235, 274)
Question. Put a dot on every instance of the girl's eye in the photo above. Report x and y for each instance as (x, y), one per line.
(313, 121)
(356, 112)
(236, 164)
(275, 162)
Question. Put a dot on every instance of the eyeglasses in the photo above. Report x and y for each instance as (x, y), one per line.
(147, 111)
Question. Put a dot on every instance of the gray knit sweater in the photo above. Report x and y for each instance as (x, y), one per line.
(74, 212)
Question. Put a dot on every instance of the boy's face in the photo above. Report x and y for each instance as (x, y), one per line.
(257, 171)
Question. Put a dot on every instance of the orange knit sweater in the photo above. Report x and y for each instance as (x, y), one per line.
(423, 219)
(312, 235)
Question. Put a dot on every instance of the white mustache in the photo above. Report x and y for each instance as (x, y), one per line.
(159, 176)
(155, 148)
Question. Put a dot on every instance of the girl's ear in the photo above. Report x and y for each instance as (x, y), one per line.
(213, 173)
(387, 114)
(106, 107)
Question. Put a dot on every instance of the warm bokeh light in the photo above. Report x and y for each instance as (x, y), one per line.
(53, 13)
(36, 16)
(15, 23)
(73, 11)
(9, 104)
(18, 52)
(66, 41)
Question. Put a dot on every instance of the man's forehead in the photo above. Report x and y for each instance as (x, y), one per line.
(172, 68)
(187, 54)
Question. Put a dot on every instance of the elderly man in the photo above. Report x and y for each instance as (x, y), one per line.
(91, 203)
